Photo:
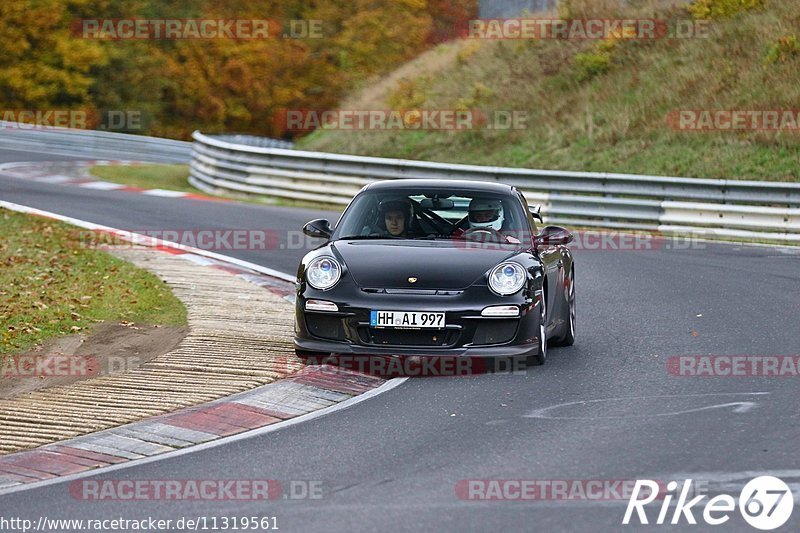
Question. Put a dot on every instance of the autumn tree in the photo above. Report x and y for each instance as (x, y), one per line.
(42, 65)
(214, 84)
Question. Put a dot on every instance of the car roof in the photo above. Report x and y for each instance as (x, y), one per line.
(455, 185)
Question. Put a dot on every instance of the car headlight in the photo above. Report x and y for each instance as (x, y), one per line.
(323, 273)
(507, 278)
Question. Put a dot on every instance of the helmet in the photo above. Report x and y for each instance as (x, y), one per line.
(485, 213)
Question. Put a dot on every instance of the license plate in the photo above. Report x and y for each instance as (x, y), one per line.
(406, 319)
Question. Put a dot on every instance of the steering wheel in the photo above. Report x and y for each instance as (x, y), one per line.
(482, 234)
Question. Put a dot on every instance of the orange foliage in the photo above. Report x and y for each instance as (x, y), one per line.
(231, 85)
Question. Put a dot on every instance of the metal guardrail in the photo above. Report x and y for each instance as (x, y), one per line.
(253, 140)
(95, 144)
(92, 144)
(752, 210)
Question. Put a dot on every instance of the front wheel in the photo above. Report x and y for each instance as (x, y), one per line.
(568, 338)
(540, 356)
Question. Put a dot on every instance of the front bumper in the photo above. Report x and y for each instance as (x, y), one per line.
(466, 332)
(488, 352)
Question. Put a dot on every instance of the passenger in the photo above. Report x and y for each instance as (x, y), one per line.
(396, 215)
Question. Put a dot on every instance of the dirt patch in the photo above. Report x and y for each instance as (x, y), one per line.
(373, 95)
(109, 348)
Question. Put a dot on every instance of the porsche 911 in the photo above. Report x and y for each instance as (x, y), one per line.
(430, 268)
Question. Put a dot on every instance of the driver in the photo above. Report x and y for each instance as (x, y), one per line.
(485, 213)
(396, 215)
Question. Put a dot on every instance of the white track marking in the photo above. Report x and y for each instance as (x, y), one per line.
(203, 261)
(101, 185)
(54, 179)
(164, 193)
(741, 407)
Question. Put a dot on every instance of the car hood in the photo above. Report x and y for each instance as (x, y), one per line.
(445, 265)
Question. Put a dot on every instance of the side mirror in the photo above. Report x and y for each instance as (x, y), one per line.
(536, 212)
(319, 228)
(554, 236)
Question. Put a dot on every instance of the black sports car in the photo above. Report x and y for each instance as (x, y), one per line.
(433, 268)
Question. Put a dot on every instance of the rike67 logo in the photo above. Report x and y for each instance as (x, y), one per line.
(766, 503)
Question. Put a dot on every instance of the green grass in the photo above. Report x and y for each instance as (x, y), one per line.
(52, 283)
(169, 177)
(614, 120)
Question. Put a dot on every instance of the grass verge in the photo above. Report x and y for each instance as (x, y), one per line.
(52, 284)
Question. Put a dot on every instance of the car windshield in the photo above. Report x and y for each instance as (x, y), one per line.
(433, 214)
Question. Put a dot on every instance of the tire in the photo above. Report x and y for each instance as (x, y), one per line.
(568, 338)
(540, 357)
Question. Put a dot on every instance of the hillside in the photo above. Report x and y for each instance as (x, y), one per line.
(603, 105)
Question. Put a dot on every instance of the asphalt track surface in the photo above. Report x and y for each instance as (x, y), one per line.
(392, 463)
